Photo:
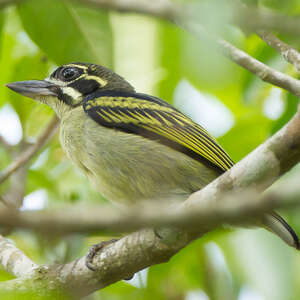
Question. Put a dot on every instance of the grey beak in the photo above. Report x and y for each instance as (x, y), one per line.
(34, 88)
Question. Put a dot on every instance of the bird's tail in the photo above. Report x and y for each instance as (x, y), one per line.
(276, 224)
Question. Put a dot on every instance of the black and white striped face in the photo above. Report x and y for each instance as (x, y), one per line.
(70, 83)
(74, 81)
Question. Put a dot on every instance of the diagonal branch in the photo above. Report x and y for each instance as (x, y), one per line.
(289, 53)
(31, 151)
(5, 144)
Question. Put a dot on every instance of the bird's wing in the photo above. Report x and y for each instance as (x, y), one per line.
(154, 118)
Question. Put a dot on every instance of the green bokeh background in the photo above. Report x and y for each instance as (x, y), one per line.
(155, 57)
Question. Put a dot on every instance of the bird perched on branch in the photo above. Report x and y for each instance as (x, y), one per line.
(132, 146)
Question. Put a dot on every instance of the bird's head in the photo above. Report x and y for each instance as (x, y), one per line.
(67, 86)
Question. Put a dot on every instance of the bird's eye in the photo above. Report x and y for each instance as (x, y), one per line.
(69, 73)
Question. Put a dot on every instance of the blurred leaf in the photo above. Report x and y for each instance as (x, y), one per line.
(67, 31)
(169, 47)
(288, 6)
(28, 67)
(203, 65)
(248, 133)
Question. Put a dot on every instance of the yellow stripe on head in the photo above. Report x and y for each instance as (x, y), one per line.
(77, 66)
(100, 80)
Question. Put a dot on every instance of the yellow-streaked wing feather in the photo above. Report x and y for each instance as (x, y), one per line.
(154, 118)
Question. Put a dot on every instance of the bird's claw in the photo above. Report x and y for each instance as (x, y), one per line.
(93, 250)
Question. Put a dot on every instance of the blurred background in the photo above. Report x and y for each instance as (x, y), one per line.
(163, 60)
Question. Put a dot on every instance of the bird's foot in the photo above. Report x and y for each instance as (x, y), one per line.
(156, 233)
(93, 251)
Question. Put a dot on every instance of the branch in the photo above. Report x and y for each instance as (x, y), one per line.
(250, 17)
(164, 9)
(93, 219)
(31, 151)
(248, 62)
(4, 143)
(229, 210)
(13, 260)
(254, 19)
(186, 17)
(289, 53)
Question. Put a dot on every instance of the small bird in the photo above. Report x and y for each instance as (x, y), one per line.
(133, 147)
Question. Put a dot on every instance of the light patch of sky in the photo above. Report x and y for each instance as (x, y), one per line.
(35, 200)
(203, 108)
(139, 279)
(196, 295)
(248, 293)
(273, 105)
(24, 40)
(10, 125)
(217, 258)
(266, 261)
(138, 65)
(40, 161)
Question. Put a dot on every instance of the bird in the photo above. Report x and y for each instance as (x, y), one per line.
(133, 147)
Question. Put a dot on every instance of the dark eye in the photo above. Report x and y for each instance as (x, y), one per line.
(69, 73)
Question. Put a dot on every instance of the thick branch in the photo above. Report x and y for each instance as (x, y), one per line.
(31, 151)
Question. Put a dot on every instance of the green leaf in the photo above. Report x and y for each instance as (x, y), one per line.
(28, 67)
(68, 32)
(250, 130)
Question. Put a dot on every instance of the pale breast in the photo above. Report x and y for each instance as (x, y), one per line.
(129, 168)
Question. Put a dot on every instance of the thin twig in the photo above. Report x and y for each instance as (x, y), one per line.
(246, 61)
(289, 53)
(31, 151)
(258, 68)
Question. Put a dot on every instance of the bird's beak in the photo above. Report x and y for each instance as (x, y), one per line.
(34, 88)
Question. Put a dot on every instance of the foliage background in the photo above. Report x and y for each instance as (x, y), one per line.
(163, 60)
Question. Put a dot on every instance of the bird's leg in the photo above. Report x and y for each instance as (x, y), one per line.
(93, 250)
